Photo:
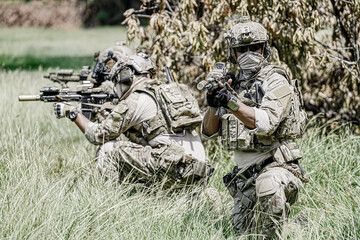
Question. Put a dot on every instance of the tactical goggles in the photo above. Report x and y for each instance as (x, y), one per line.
(252, 48)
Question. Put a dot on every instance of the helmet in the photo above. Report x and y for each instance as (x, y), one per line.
(246, 33)
(124, 70)
(141, 63)
(106, 59)
(119, 51)
(136, 64)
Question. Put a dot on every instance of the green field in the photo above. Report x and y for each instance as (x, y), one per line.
(29, 48)
(48, 189)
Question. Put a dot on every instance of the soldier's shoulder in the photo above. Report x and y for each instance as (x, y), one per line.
(271, 69)
(273, 75)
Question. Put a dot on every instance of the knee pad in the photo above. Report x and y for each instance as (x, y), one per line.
(270, 193)
(265, 185)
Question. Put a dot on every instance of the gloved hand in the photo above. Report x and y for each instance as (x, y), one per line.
(63, 109)
(222, 98)
(210, 98)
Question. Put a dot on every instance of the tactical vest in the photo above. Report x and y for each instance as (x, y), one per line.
(177, 110)
(293, 126)
(236, 136)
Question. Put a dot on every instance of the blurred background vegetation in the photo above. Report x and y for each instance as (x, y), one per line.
(63, 34)
(64, 13)
(31, 48)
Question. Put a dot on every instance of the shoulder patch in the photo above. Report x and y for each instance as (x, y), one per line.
(282, 93)
(121, 108)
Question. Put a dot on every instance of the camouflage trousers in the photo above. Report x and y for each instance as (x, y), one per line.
(125, 160)
(262, 203)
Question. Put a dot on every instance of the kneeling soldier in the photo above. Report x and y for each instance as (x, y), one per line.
(261, 116)
(150, 134)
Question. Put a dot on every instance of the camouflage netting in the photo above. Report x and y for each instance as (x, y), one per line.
(58, 14)
(317, 41)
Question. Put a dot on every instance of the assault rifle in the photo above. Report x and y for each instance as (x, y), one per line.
(63, 76)
(219, 74)
(91, 98)
(211, 83)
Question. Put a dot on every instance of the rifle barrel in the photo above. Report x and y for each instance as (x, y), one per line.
(23, 98)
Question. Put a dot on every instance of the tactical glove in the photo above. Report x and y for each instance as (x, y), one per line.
(63, 109)
(211, 98)
(223, 97)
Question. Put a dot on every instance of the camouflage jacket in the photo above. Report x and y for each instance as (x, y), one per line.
(125, 118)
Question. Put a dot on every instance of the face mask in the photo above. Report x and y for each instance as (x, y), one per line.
(122, 77)
(250, 61)
(121, 88)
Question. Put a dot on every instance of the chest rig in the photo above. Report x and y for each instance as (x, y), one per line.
(234, 134)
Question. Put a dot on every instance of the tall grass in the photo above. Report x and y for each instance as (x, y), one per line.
(49, 190)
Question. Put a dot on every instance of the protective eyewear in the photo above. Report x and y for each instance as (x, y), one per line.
(252, 48)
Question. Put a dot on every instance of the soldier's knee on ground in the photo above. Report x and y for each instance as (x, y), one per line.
(103, 153)
(105, 149)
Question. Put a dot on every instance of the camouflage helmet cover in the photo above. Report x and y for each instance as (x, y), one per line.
(106, 59)
(246, 32)
(118, 51)
(141, 63)
(135, 64)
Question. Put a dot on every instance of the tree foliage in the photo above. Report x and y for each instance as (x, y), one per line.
(104, 12)
(317, 41)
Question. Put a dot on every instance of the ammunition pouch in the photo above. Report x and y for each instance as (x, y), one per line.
(287, 152)
(234, 134)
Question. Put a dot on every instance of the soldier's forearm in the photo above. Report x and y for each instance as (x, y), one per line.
(211, 122)
(81, 121)
(245, 114)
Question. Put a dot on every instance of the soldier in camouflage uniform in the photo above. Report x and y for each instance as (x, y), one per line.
(150, 134)
(262, 116)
